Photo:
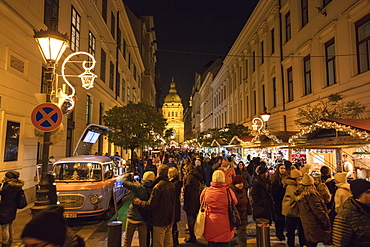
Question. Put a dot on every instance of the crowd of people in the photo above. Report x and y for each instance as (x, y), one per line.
(322, 208)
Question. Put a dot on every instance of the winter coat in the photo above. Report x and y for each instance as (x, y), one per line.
(289, 205)
(243, 206)
(178, 186)
(229, 174)
(314, 215)
(278, 193)
(192, 193)
(352, 225)
(217, 227)
(142, 191)
(9, 200)
(244, 173)
(341, 195)
(262, 199)
(161, 203)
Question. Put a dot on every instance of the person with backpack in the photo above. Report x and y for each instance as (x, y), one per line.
(11, 186)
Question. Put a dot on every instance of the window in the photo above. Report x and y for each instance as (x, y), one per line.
(111, 75)
(12, 141)
(288, 34)
(246, 69)
(363, 44)
(272, 41)
(124, 48)
(104, 9)
(128, 94)
(118, 85)
(254, 102)
(92, 44)
(123, 89)
(103, 64)
(263, 97)
(75, 30)
(262, 53)
(307, 75)
(246, 106)
(112, 24)
(304, 12)
(88, 109)
(274, 91)
(325, 2)
(330, 62)
(253, 61)
(51, 12)
(119, 38)
(290, 84)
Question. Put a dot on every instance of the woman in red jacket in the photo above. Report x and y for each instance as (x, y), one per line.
(217, 230)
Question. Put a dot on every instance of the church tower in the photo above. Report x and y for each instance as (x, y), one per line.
(173, 110)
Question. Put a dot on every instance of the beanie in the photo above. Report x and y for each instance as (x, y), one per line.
(238, 179)
(48, 225)
(261, 170)
(149, 175)
(306, 169)
(12, 174)
(340, 177)
(295, 173)
(218, 177)
(358, 187)
(307, 179)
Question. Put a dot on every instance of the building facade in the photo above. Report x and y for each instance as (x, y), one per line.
(101, 28)
(290, 54)
(173, 112)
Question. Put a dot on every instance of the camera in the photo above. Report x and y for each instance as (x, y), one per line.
(137, 177)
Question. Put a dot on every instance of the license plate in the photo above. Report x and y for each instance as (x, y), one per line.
(70, 215)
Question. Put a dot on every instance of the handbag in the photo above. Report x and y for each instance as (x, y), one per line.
(21, 200)
(200, 220)
(234, 216)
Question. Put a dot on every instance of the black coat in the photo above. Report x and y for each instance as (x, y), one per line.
(278, 193)
(8, 203)
(243, 206)
(192, 193)
(262, 200)
(178, 186)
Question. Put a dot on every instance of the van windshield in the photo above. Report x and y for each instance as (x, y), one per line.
(77, 172)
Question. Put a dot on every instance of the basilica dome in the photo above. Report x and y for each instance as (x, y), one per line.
(172, 96)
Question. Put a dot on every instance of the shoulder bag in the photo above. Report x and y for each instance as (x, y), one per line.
(234, 216)
(200, 220)
(21, 199)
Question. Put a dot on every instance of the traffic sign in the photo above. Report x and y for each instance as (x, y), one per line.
(46, 117)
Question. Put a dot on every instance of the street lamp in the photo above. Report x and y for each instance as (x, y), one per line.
(52, 44)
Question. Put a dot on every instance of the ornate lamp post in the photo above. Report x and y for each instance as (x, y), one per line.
(52, 44)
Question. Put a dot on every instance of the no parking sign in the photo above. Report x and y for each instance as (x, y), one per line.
(46, 117)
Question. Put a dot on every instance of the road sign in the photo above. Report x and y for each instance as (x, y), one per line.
(46, 117)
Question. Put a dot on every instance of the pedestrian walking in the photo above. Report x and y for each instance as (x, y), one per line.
(343, 191)
(261, 195)
(290, 208)
(162, 205)
(9, 192)
(352, 223)
(137, 217)
(244, 208)
(173, 175)
(313, 213)
(241, 170)
(278, 192)
(49, 228)
(217, 230)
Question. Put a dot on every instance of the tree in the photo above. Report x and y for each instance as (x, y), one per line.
(231, 130)
(332, 107)
(134, 125)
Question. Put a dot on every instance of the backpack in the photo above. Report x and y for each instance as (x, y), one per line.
(21, 199)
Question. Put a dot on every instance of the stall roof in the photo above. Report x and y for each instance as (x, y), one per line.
(217, 143)
(270, 139)
(240, 140)
(363, 124)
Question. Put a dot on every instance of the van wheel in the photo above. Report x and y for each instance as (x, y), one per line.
(109, 212)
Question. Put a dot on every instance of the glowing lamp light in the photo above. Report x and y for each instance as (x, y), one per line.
(87, 79)
(265, 116)
(52, 44)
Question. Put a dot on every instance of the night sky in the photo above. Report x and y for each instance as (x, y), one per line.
(190, 33)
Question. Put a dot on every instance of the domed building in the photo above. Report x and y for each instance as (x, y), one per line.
(172, 110)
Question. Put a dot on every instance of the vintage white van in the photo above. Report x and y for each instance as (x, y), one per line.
(88, 185)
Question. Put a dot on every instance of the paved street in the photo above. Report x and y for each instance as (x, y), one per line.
(95, 232)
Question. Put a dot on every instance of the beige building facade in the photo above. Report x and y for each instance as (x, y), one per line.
(100, 27)
(291, 55)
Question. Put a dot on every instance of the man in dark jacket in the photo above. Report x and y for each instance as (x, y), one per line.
(11, 186)
(162, 204)
(352, 223)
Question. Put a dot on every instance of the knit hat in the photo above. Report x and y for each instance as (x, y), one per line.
(295, 173)
(149, 175)
(218, 177)
(307, 179)
(306, 169)
(358, 187)
(238, 179)
(340, 177)
(12, 174)
(261, 170)
(48, 225)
